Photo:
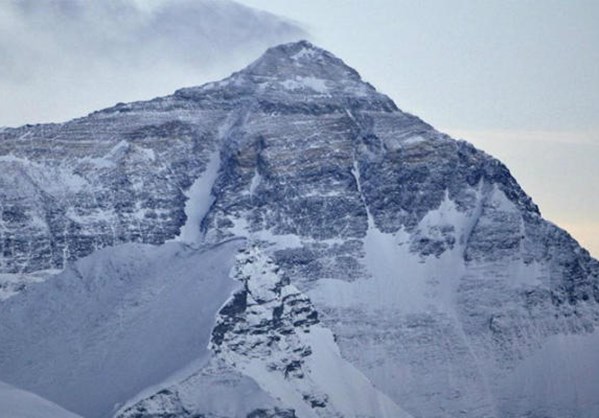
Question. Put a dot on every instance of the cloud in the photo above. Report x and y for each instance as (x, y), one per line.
(64, 58)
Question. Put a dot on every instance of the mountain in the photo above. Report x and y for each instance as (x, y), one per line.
(285, 242)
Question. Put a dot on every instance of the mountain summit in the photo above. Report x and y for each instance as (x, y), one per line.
(285, 242)
(295, 61)
(293, 73)
(299, 59)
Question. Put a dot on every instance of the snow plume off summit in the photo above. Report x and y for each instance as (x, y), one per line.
(284, 242)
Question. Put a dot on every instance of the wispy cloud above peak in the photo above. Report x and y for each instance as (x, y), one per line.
(62, 58)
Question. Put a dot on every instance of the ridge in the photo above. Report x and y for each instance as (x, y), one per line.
(305, 58)
(292, 70)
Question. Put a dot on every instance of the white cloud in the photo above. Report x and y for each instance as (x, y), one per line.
(62, 58)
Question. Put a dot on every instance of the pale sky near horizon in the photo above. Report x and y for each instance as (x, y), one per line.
(519, 79)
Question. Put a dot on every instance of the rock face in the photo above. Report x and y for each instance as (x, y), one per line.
(446, 291)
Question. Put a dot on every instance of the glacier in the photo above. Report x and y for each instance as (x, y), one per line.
(285, 242)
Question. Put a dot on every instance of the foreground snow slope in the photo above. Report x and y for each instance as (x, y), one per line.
(114, 323)
(17, 403)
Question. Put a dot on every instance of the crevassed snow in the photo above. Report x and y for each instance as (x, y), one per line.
(118, 321)
(17, 403)
(199, 200)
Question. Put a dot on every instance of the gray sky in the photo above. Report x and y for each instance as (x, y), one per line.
(61, 59)
(519, 79)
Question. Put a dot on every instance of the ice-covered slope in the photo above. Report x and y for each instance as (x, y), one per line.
(446, 291)
(17, 403)
(114, 323)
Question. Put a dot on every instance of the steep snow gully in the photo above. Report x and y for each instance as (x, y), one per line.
(287, 243)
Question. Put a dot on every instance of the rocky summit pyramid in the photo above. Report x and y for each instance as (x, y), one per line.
(285, 242)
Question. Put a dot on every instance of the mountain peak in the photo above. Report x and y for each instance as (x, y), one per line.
(293, 49)
(294, 70)
(301, 59)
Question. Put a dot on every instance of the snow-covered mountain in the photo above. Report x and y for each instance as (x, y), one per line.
(285, 243)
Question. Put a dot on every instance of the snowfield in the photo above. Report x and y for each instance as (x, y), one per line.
(114, 323)
(17, 403)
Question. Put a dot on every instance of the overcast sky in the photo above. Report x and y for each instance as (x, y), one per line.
(519, 79)
(61, 59)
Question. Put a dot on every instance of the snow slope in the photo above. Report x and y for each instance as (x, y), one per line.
(214, 389)
(114, 323)
(559, 379)
(17, 403)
